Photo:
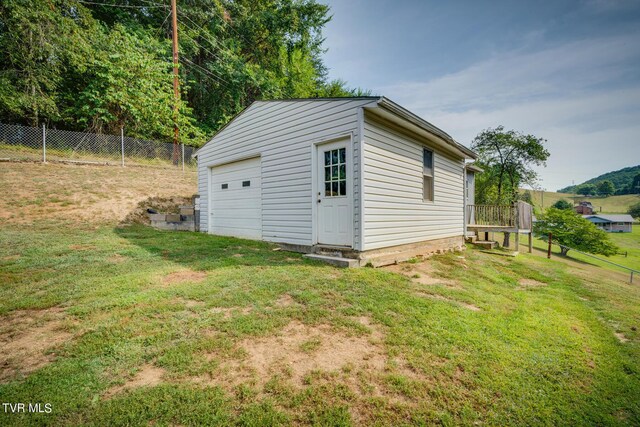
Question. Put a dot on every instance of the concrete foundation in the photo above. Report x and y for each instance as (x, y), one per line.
(383, 256)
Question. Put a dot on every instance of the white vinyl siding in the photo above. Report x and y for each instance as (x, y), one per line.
(394, 210)
(283, 134)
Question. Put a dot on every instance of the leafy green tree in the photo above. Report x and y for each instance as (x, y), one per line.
(110, 101)
(101, 65)
(507, 158)
(570, 229)
(40, 40)
(634, 210)
(634, 188)
(606, 188)
(562, 204)
(587, 189)
(526, 197)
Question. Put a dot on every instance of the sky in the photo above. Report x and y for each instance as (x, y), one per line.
(566, 71)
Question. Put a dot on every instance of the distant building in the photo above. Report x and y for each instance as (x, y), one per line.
(584, 208)
(612, 223)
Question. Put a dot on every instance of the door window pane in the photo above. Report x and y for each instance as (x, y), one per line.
(335, 172)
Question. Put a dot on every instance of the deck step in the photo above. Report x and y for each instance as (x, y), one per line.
(486, 244)
(334, 260)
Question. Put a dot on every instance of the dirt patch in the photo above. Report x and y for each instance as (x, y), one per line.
(285, 300)
(227, 312)
(10, 257)
(621, 337)
(298, 350)
(422, 273)
(116, 259)
(147, 376)
(530, 284)
(83, 247)
(451, 300)
(184, 276)
(28, 338)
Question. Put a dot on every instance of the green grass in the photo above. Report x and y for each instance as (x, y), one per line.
(539, 355)
(628, 254)
(611, 204)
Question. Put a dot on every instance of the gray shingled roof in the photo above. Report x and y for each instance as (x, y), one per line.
(612, 218)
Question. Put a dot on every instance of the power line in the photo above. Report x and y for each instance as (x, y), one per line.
(204, 48)
(207, 72)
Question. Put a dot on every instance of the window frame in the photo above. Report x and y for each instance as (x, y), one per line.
(428, 173)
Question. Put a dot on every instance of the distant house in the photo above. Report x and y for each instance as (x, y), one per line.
(612, 223)
(584, 208)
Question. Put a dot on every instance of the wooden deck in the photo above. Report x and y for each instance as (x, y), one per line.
(516, 218)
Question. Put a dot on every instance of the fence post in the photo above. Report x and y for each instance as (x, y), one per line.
(183, 157)
(44, 143)
(122, 143)
(549, 249)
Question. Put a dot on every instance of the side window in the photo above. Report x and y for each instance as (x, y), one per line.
(427, 175)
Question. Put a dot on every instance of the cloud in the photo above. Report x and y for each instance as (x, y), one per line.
(570, 94)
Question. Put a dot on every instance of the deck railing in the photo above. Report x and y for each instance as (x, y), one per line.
(493, 215)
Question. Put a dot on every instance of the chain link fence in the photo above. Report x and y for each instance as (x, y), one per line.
(41, 144)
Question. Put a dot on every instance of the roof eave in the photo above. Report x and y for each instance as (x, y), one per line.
(425, 125)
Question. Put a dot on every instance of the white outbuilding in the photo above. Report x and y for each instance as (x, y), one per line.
(358, 178)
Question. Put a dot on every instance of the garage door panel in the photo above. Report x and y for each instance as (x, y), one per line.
(236, 210)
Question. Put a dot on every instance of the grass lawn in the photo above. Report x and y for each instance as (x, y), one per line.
(628, 256)
(125, 325)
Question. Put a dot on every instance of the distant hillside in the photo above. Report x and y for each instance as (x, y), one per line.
(620, 179)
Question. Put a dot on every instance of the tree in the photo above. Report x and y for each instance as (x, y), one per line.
(634, 210)
(570, 229)
(587, 189)
(562, 204)
(634, 188)
(606, 188)
(99, 65)
(526, 197)
(507, 158)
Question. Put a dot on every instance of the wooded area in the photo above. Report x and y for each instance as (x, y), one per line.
(102, 64)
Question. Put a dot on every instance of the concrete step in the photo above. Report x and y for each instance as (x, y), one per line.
(471, 239)
(486, 244)
(334, 260)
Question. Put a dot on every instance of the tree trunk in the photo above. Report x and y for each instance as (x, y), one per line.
(505, 242)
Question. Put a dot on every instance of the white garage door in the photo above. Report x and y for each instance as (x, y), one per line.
(236, 199)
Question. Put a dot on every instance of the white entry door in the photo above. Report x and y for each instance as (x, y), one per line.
(334, 201)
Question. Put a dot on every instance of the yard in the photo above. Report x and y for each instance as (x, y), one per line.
(116, 324)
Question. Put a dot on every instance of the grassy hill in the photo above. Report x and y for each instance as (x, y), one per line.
(126, 325)
(620, 178)
(611, 204)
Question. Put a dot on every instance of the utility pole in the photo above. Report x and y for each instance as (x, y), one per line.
(176, 87)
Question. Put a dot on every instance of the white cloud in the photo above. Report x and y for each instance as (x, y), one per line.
(567, 94)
